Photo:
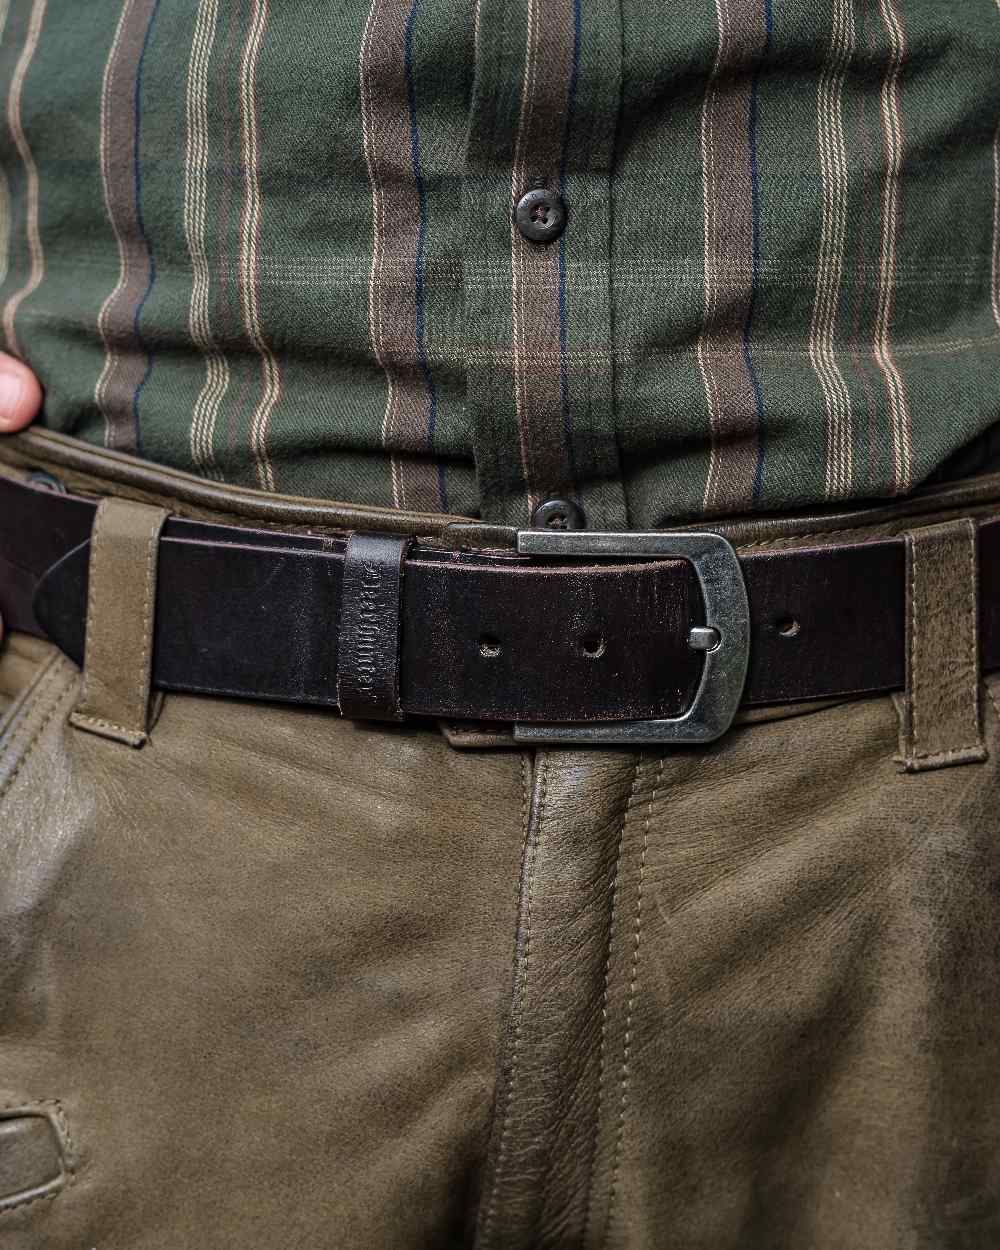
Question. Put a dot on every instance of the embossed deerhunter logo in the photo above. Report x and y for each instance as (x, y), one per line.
(366, 636)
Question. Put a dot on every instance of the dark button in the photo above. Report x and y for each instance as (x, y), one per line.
(558, 514)
(540, 215)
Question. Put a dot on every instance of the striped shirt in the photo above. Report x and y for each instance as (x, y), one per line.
(273, 243)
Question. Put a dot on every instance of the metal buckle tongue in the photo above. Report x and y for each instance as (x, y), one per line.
(724, 638)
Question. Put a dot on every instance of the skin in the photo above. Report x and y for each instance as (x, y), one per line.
(20, 395)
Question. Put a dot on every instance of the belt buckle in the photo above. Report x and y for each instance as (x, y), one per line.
(724, 638)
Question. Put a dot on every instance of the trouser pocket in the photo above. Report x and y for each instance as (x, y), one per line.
(35, 683)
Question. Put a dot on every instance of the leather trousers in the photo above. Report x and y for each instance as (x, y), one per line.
(281, 979)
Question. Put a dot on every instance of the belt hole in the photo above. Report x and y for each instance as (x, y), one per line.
(593, 645)
(787, 626)
(489, 646)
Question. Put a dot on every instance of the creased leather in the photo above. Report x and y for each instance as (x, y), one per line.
(540, 1153)
(762, 1007)
(266, 963)
(36, 1154)
(260, 964)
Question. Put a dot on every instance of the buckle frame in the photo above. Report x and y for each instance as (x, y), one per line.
(724, 638)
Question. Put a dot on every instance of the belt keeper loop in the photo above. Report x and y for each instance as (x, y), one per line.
(940, 713)
(121, 610)
(371, 608)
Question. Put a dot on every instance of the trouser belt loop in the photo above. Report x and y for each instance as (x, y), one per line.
(941, 721)
(370, 615)
(121, 598)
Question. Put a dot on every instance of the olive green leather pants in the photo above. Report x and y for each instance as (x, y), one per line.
(281, 980)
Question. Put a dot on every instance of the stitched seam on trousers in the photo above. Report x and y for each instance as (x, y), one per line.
(877, 531)
(950, 753)
(518, 1012)
(20, 1203)
(29, 700)
(911, 594)
(595, 1144)
(525, 800)
(973, 610)
(96, 550)
(137, 715)
(142, 694)
(60, 1114)
(633, 983)
(37, 735)
(784, 540)
(98, 722)
(67, 1154)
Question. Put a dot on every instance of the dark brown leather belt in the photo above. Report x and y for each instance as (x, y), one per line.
(415, 629)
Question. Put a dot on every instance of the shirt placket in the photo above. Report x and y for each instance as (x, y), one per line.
(537, 298)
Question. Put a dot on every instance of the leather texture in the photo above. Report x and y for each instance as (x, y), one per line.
(371, 604)
(942, 722)
(485, 636)
(36, 1154)
(284, 979)
(755, 999)
(239, 615)
(277, 976)
(259, 964)
(121, 597)
(546, 1106)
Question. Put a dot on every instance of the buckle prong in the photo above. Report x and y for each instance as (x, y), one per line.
(724, 639)
(703, 638)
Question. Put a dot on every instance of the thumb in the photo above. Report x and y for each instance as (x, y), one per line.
(20, 395)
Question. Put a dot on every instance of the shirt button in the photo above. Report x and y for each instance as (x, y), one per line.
(540, 215)
(558, 514)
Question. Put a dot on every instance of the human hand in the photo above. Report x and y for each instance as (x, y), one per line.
(20, 395)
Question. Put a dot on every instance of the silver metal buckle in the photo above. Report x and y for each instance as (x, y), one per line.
(724, 638)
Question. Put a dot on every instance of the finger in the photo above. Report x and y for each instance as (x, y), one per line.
(20, 395)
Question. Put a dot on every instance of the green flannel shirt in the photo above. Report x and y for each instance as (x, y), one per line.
(272, 242)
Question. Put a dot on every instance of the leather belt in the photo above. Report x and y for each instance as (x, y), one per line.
(603, 638)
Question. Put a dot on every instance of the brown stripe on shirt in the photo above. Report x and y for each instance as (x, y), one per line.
(125, 359)
(392, 290)
(728, 258)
